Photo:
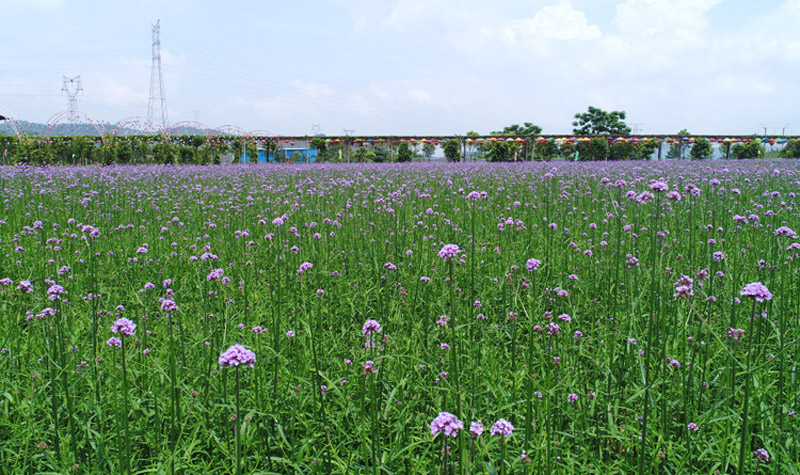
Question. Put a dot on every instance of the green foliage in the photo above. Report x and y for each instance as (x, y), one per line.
(321, 146)
(528, 129)
(597, 149)
(599, 122)
(621, 151)
(702, 149)
(501, 151)
(791, 150)
(752, 149)
(428, 149)
(296, 157)
(545, 151)
(164, 153)
(404, 152)
(452, 150)
(677, 151)
(645, 150)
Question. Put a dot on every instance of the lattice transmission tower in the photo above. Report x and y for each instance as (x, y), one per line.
(157, 105)
(72, 87)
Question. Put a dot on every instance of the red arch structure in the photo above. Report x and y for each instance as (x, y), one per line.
(63, 117)
(137, 125)
(189, 124)
(9, 120)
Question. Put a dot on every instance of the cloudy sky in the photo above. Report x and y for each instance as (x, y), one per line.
(412, 66)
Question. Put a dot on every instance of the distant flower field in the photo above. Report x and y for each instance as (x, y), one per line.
(468, 318)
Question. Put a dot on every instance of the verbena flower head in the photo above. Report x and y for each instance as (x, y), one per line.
(123, 326)
(756, 290)
(476, 428)
(237, 355)
(447, 423)
(215, 274)
(533, 264)
(502, 428)
(114, 341)
(449, 251)
(762, 455)
(304, 267)
(371, 326)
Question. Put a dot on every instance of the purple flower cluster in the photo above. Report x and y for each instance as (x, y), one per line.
(237, 355)
(448, 251)
(502, 428)
(123, 326)
(756, 290)
(447, 423)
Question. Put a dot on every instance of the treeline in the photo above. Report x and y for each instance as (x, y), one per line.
(206, 150)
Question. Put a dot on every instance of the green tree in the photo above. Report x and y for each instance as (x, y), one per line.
(501, 151)
(545, 151)
(428, 149)
(452, 150)
(645, 150)
(596, 121)
(528, 130)
(404, 152)
(621, 151)
(791, 150)
(321, 146)
(678, 150)
(597, 149)
(752, 149)
(702, 149)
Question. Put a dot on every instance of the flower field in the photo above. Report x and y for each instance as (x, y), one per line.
(534, 318)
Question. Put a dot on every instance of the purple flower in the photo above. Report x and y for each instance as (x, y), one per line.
(290, 334)
(237, 355)
(692, 427)
(659, 186)
(735, 333)
(304, 267)
(572, 397)
(762, 455)
(215, 274)
(447, 423)
(757, 290)
(25, 287)
(476, 428)
(123, 326)
(533, 264)
(449, 251)
(502, 427)
(371, 326)
(168, 305)
(114, 341)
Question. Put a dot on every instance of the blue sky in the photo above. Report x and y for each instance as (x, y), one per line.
(412, 66)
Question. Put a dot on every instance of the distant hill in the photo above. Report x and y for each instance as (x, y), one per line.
(35, 128)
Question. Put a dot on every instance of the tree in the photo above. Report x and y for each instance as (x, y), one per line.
(701, 150)
(404, 153)
(546, 151)
(792, 150)
(501, 151)
(452, 151)
(597, 149)
(599, 122)
(678, 150)
(321, 146)
(528, 129)
(752, 149)
(645, 150)
(428, 149)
